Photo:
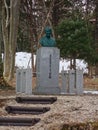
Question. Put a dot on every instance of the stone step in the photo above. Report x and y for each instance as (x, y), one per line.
(16, 121)
(26, 110)
(36, 100)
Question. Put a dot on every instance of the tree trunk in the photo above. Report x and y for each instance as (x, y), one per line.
(10, 28)
(0, 34)
(14, 20)
(74, 63)
(6, 44)
(1, 66)
(71, 65)
(96, 35)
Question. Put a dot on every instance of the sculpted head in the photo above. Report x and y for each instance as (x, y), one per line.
(48, 32)
(47, 40)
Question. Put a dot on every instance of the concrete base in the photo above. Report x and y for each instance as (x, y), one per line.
(47, 90)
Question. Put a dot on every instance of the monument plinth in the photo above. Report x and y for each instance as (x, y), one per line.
(48, 70)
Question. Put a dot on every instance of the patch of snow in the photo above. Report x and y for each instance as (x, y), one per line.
(90, 92)
(23, 60)
(80, 65)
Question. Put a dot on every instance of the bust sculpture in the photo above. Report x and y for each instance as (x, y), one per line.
(47, 40)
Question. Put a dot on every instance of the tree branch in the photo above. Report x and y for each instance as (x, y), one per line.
(7, 13)
(47, 18)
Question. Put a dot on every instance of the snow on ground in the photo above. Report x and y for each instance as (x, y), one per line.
(81, 65)
(23, 60)
(90, 92)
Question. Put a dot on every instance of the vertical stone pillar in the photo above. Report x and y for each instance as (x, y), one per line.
(72, 81)
(28, 89)
(18, 80)
(48, 70)
(24, 81)
(79, 81)
(64, 82)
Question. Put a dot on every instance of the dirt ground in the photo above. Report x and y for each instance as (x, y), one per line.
(91, 84)
(66, 110)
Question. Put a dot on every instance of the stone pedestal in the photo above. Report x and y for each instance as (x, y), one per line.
(24, 81)
(48, 70)
(72, 82)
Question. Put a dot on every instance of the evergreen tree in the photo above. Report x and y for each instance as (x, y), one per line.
(74, 40)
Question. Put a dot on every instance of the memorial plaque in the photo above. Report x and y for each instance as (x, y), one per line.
(48, 70)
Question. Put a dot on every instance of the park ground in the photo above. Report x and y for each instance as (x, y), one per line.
(80, 112)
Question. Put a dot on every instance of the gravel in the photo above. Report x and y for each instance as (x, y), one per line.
(66, 110)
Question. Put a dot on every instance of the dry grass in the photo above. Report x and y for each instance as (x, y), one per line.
(91, 83)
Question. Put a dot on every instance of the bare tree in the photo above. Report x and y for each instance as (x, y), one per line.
(0, 32)
(96, 33)
(10, 20)
(37, 17)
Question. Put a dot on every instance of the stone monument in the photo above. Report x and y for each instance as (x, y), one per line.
(24, 81)
(47, 65)
(72, 82)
